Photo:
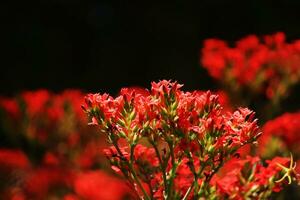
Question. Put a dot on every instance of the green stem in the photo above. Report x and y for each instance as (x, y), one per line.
(208, 178)
(130, 182)
(193, 170)
(129, 165)
(172, 174)
(150, 188)
(146, 196)
(161, 164)
(188, 192)
(172, 152)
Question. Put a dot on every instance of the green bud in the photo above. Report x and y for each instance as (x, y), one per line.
(132, 115)
(121, 122)
(174, 105)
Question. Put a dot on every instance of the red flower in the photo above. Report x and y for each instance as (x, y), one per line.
(13, 159)
(10, 106)
(36, 101)
(41, 180)
(144, 154)
(94, 185)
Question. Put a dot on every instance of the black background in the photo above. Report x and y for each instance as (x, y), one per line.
(106, 45)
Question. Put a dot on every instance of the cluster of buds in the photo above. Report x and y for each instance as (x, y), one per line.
(170, 144)
(269, 66)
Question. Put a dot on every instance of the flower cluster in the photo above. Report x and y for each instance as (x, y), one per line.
(48, 151)
(268, 66)
(250, 178)
(169, 144)
(281, 135)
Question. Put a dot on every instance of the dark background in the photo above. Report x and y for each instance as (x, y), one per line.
(106, 45)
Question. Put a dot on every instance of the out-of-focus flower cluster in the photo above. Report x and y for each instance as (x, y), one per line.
(281, 135)
(267, 66)
(171, 144)
(48, 152)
